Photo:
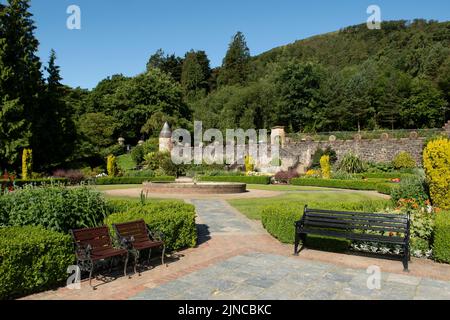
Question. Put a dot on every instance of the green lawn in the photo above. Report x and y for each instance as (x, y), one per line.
(252, 207)
(117, 186)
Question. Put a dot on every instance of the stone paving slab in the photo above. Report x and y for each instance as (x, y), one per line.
(270, 276)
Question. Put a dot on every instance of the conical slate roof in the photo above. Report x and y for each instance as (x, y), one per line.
(166, 132)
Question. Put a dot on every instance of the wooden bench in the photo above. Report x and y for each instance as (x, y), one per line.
(93, 245)
(134, 236)
(356, 226)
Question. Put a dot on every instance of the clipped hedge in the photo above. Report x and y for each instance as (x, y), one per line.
(441, 244)
(132, 180)
(376, 185)
(279, 221)
(174, 218)
(54, 207)
(36, 182)
(240, 179)
(384, 175)
(32, 259)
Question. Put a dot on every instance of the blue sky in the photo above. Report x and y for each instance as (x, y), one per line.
(119, 36)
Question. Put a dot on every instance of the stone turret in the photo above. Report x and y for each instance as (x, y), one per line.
(165, 139)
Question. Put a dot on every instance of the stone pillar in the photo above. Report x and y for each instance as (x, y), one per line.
(165, 139)
(278, 132)
(447, 128)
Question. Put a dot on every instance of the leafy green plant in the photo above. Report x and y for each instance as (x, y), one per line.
(351, 163)
(54, 207)
(137, 154)
(176, 220)
(410, 188)
(32, 259)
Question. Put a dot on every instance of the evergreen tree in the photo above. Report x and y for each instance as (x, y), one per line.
(196, 73)
(235, 66)
(54, 138)
(20, 80)
(169, 64)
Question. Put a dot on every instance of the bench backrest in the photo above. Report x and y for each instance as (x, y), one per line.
(98, 238)
(351, 221)
(136, 229)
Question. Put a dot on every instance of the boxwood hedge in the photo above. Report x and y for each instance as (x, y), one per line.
(377, 185)
(240, 179)
(32, 259)
(279, 220)
(174, 218)
(132, 180)
(441, 244)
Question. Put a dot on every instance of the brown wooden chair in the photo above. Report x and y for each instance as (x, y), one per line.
(135, 237)
(93, 245)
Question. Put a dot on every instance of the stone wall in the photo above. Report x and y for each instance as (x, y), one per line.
(375, 150)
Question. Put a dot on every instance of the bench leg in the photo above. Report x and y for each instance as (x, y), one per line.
(149, 256)
(297, 242)
(163, 254)
(126, 264)
(406, 258)
(90, 275)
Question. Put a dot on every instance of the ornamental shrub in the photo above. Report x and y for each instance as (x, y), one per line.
(403, 160)
(351, 163)
(27, 164)
(175, 219)
(32, 259)
(436, 161)
(249, 164)
(441, 244)
(315, 159)
(325, 167)
(111, 166)
(54, 207)
(286, 176)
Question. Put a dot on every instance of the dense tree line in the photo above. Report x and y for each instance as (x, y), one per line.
(396, 77)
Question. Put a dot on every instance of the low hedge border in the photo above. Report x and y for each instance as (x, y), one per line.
(279, 221)
(381, 187)
(132, 180)
(173, 218)
(384, 175)
(441, 243)
(240, 179)
(32, 259)
(36, 182)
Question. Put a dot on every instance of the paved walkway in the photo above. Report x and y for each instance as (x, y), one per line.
(273, 277)
(237, 259)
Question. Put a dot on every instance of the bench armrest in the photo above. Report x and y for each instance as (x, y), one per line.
(83, 252)
(156, 235)
(127, 242)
